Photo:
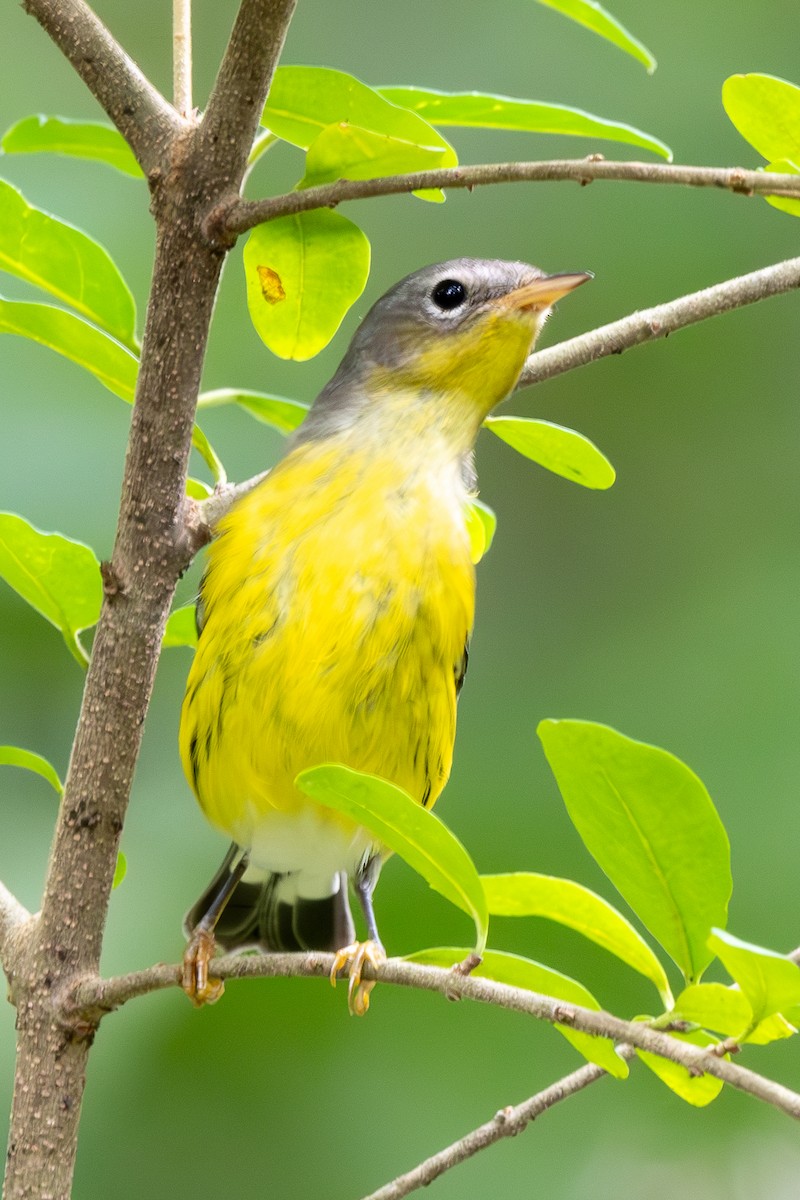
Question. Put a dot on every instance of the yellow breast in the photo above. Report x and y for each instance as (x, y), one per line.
(338, 599)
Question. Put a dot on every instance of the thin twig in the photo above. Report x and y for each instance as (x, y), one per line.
(508, 1122)
(145, 119)
(663, 319)
(182, 56)
(13, 916)
(91, 998)
(244, 214)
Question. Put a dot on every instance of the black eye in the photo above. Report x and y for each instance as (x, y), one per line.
(449, 294)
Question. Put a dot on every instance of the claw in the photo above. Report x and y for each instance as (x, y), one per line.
(195, 981)
(352, 959)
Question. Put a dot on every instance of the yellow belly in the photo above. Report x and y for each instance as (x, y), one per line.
(338, 599)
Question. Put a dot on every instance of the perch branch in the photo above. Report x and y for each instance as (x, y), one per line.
(145, 119)
(89, 999)
(244, 214)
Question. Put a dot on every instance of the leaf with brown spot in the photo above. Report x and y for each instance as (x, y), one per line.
(271, 287)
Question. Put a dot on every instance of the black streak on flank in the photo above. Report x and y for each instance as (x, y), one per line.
(460, 669)
(193, 759)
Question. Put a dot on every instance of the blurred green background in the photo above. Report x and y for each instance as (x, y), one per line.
(666, 607)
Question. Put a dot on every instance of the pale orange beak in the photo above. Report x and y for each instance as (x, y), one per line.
(545, 291)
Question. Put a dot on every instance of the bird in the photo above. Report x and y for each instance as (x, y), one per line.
(336, 609)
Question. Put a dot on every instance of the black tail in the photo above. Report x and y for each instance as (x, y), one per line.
(254, 916)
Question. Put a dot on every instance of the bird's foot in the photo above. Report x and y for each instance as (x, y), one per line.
(351, 959)
(195, 981)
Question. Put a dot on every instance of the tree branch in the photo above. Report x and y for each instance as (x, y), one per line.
(182, 56)
(229, 125)
(244, 214)
(144, 118)
(508, 1122)
(90, 999)
(652, 323)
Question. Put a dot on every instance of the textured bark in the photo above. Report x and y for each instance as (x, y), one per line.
(190, 165)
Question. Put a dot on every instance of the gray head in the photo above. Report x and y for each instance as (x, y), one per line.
(458, 331)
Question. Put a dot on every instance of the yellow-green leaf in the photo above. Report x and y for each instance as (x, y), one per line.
(770, 981)
(282, 414)
(481, 525)
(55, 256)
(344, 151)
(303, 273)
(555, 448)
(593, 16)
(15, 756)
(526, 894)
(485, 110)
(651, 826)
(75, 339)
(79, 139)
(766, 111)
(408, 829)
(58, 577)
(698, 1090)
(181, 628)
(516, 971)
(784, 167)
(209, 455)
(120, 870)
(715, 1006)
(304, 101)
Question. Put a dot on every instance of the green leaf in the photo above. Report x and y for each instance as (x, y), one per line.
(773, 1029)
(181, 629)
(698, 1090)
(520, 972)
(80, 139)
(58, 577)
(406, 827)
(525, 894)
(303, 272)
(481, 524)
(727, 1011)
(650, 824)
(196, 489)
(209, 455)
(14, 756)
(714, 1006)
(305, 101)
(345, 151)
(593, 16)
(53, 255)
(783, 166)
(120, 870)
(485, 110)
(282, 414)
(76, 339)
(555, 448)
(766, 112)
(770, 981)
